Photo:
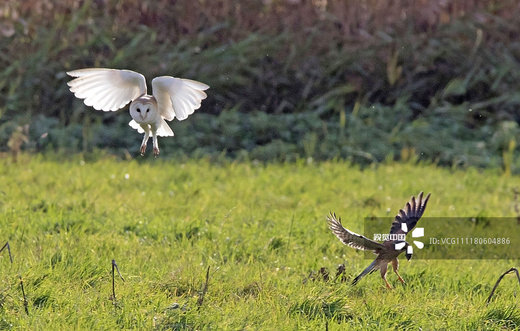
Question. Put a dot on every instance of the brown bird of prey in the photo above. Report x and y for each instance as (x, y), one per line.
(389, 250)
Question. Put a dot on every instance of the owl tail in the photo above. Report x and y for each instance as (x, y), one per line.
(368, 270)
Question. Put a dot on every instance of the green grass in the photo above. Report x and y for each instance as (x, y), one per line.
(260, 228)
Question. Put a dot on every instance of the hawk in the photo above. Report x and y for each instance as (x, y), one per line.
(389, 250)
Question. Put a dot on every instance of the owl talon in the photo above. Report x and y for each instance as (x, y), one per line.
(143, 150)
(156, 151)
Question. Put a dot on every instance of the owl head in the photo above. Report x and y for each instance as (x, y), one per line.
(144, 109)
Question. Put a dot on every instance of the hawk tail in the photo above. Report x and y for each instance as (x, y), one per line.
(368, 270)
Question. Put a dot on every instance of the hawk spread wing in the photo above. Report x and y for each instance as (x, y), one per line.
(411, 213)
(350, 238)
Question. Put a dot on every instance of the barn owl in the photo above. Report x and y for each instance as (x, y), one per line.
(111, 89)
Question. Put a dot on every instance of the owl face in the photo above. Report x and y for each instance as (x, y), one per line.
(144, 109)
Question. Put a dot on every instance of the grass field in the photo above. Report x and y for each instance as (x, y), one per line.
(259, 228)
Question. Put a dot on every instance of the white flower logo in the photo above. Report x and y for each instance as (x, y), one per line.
(416, 233)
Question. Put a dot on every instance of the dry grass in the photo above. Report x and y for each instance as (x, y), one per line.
(338, 19)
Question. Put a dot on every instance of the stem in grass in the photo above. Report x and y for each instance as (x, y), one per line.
(500, 279)
(290, 233)
(204, 290)
(114, 267)
(8, 250)
(25, 303)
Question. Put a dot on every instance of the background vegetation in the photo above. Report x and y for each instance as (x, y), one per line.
(360, 80)
(260, 228)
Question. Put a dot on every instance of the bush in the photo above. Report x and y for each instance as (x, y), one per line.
(356, 81)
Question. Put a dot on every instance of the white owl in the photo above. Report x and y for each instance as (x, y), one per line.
(111, 89)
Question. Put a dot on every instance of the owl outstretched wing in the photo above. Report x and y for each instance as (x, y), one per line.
(410, 215)
(107, 89)
(350, 238)
(177, 97)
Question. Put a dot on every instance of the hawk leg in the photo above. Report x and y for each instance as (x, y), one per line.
(395, 265)
(383, 275)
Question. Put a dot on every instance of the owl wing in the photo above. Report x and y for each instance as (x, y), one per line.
(107, 89)
(177, 97)
(350, 238)
(410, 215)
